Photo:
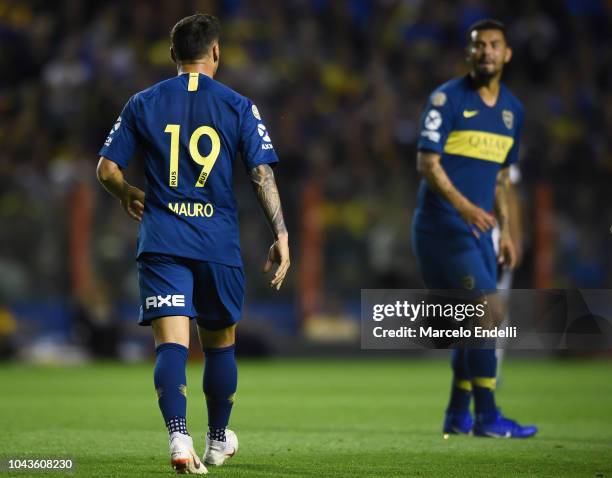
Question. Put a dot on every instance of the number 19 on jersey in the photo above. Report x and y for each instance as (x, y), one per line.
(207, 162)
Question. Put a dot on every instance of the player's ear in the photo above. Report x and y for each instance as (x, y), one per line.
(172, 55)
(215, 52)
(468, 52)
(508, 55)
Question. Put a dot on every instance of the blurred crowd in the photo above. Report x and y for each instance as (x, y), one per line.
(340, 84)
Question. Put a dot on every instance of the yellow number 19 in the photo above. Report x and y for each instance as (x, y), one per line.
(207, 162)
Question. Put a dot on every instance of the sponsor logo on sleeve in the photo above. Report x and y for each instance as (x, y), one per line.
(438, 99)
(431, 135)
(433, 120)
(263, 133)
(116, 126)
(256, 112)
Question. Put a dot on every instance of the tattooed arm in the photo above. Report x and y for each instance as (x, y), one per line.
(428, 164)
(507, 254)
(264, 184)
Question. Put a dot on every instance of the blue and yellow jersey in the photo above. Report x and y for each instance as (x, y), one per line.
(190, 130)
(474, 140)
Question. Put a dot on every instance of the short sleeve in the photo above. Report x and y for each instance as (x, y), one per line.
(436, 123)
(120, 144)
(513, 154)
(255, 142)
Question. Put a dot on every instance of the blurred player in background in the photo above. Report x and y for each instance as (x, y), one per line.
(470, 136)
(190, 129)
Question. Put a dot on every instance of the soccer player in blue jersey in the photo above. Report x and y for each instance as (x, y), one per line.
(470, 136)
(190, 129)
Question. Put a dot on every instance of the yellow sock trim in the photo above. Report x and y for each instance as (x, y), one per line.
(230, 399)
(485, 382)
(464, 385)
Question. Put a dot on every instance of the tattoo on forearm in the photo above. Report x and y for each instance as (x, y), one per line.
(264, 184)
(502, 219)
(439, 181)
(501, 201)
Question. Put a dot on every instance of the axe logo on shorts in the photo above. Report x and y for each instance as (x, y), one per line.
(157, 301)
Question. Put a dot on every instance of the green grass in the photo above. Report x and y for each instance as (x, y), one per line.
(312, 418)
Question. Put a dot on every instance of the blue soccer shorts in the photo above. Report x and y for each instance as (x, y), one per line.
(456, 260)
(211, 293)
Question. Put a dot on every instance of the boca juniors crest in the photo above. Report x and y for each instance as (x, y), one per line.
(508, 118)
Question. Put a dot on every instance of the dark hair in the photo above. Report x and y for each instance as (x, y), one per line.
(192, 36)
(486, 24)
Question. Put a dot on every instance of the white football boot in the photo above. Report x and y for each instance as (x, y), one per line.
(218, 451)
(183, 457)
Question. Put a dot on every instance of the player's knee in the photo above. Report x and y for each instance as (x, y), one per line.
(171, 329)
(494, 311)
(218, 338)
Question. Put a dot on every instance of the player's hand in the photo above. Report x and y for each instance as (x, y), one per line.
(278, 254)
(507, 256)
(477, 218)
(132, 201)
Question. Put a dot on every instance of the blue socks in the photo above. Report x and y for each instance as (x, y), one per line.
(220, 382)
(474, 373)
(461, 391)
(171, 385)
(483, 367)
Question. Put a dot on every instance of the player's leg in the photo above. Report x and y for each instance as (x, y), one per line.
(432, 255)
(166, 289)
(219, 384)
(464, 268)
(220, 378)
(483, 363)
(171, 334)
(219, 305)
(458, 418)
(482, 360)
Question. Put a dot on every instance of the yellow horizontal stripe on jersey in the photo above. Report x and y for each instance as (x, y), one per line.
(193, 82)
(479, 145)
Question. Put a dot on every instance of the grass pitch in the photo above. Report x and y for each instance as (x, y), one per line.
(305, 418)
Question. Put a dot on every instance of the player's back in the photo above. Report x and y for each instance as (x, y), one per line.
(190, 129)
